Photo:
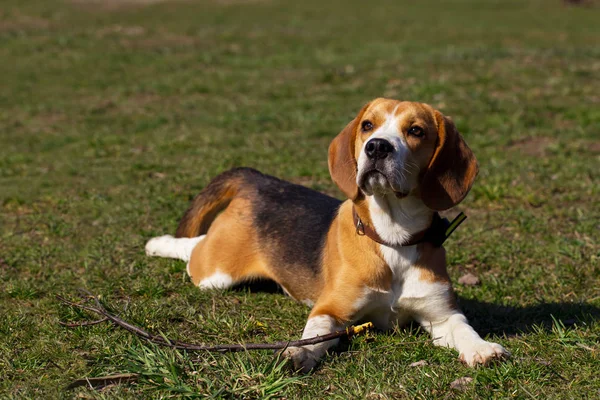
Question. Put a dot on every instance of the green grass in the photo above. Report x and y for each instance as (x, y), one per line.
(114, 114)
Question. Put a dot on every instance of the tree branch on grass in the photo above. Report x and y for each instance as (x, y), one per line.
(83, 323)
(221, 348)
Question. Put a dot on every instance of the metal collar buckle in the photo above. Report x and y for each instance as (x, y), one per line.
(360, 229)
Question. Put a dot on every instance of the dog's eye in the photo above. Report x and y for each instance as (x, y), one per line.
(416, 131)
(367, 125)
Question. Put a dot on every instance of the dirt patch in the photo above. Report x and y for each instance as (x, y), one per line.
(4, 265)
(51, 118)
(118, 4)
(44, 122)
(233, 2)
(139, 37)
(594, 147)
(111, 5)
(141, 101)
(119, 30)
(533, 146)
(132, 104)
(164, 40)
(16, 22)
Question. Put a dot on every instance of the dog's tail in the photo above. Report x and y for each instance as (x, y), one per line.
(213, 199)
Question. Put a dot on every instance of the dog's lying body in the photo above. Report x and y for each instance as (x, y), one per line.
(398, 163)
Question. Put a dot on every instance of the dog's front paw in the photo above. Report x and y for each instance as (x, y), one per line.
(482, 353)
(304, 360)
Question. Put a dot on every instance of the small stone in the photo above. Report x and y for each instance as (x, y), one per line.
(419, 363)
(330, 388)
(159, 175)
(461, 383)
(469, 279)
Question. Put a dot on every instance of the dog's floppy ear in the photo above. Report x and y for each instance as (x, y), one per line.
(452, 168)
(341, 160)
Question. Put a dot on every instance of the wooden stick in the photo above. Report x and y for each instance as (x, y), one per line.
(83, 323)
(163, 341)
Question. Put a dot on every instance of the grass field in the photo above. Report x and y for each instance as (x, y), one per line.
(114, 113)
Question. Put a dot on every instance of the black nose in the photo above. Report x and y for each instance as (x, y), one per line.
(378, 149)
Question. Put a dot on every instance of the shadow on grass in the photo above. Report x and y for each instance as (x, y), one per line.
(259, 285)
(494, 319)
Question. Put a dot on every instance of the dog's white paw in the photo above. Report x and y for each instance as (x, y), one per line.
(304, 360)
(155, 246)
(482, 353)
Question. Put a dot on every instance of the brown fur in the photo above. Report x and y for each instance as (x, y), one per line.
(452, 169)
(208, 204)
(230, 246)
(432, 264)
(352, 262)
(341, 160)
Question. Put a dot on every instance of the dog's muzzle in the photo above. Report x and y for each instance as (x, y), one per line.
(378, 175)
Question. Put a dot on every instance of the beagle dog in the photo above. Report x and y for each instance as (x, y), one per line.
(373, 257)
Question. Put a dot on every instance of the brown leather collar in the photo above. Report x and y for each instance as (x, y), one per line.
(369, 231)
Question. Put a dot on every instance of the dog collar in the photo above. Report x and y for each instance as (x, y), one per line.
(436, 234)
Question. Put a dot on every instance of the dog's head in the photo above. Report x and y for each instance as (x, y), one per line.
(403, 148)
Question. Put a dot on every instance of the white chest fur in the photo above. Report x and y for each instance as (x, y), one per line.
(409, 295)
(378, 305)
(396, 220)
